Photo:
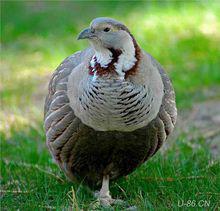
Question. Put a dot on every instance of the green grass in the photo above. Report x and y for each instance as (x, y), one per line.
(37, 36)
(184, 172)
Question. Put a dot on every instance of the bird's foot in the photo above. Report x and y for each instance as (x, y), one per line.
(106, 200)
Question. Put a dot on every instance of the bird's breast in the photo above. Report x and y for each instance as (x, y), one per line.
(112, 104)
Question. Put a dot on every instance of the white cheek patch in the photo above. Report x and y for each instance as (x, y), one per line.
(127, 59)
(103, 57)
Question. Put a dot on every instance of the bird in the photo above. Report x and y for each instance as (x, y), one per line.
(109, 108)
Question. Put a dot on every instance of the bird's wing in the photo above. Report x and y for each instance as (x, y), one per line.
(59, 120)
(168, 107)
(60, 75)
(160, 128)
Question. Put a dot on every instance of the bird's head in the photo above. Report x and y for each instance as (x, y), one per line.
(107, 33)
(115, 48)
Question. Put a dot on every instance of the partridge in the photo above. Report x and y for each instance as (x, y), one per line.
(109, 108)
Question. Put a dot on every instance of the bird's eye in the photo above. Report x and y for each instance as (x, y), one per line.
(107, 29)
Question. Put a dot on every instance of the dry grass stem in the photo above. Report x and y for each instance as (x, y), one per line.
(72, 196)
(15, 191)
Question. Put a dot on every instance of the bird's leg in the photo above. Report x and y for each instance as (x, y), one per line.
(104, 194)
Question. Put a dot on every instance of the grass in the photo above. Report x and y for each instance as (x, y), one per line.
(36, 36)
(32, 180)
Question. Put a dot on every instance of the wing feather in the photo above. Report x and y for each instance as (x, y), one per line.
(162, 126)
(59, 119)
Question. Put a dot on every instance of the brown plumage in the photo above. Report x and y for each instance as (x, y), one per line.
(134, 69)
(86, 153)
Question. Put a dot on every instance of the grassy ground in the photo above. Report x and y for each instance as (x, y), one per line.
(36, 36)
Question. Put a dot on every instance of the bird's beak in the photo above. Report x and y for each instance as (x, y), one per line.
(85, 34)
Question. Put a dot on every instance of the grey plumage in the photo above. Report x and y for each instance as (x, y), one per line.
(107, 126)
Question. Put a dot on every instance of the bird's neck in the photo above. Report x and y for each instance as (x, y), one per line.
(103, 56)
(120, 62)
